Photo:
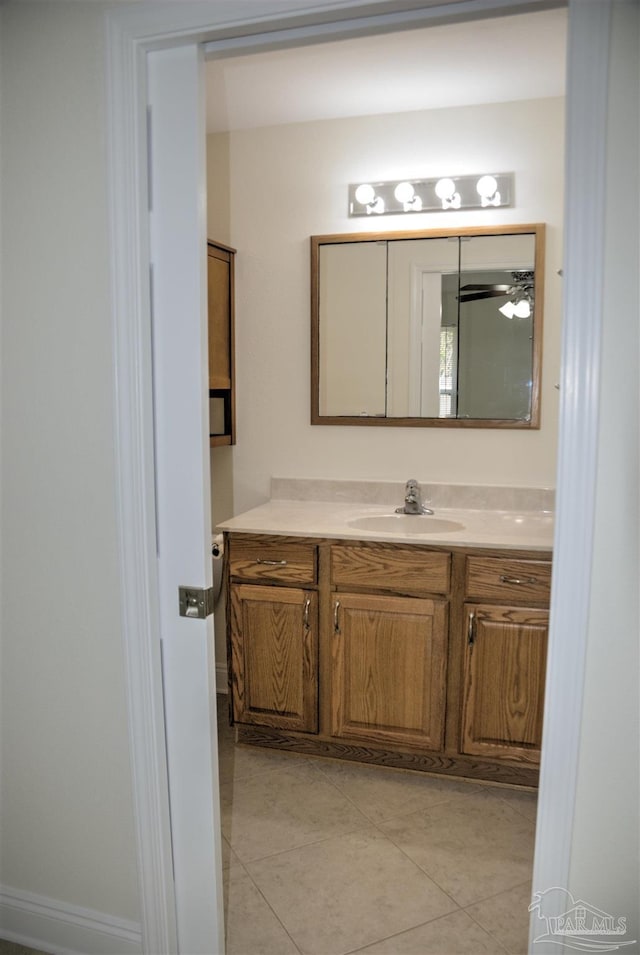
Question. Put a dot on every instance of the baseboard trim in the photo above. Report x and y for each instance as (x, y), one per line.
(470, 768)
(62, 929)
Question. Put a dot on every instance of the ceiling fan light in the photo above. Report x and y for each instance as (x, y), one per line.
(508, 309)
(522, 309)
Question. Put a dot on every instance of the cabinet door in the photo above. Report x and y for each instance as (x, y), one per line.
(504, 676)
(220, 289)
(274, 646)
(389, 663)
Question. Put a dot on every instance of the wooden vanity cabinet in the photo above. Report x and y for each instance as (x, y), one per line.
(273, 630)
(505, 657)
(423, 658)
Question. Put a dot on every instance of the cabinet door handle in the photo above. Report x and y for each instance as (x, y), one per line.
(336, 622)
(305, 613)
(272, 563)
(518, 580)
(471, 632)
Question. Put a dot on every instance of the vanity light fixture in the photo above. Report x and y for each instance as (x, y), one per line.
(430, 195)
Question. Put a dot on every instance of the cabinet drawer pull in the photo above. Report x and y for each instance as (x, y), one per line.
(518, 580)
(271, 563)
(307, 604)
(471, 632)
(336, 622)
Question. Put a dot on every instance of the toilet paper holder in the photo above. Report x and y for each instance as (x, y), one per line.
(217, 546)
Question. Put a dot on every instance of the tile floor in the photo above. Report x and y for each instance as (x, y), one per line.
(328, 858)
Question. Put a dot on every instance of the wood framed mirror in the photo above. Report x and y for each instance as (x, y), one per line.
(428, 329)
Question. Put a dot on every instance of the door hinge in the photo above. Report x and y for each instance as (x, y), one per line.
(196, 602)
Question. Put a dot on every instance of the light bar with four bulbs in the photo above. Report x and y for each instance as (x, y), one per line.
(430, 195)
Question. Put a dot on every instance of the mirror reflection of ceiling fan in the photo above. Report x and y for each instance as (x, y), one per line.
(519, 294)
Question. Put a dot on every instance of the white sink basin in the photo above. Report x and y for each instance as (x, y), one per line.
(419, 524)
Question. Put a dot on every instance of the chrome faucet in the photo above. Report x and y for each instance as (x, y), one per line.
(413, 500)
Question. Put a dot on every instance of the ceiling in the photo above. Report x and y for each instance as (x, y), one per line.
(483, 61)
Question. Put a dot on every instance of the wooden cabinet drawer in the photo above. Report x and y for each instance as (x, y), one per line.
(402, 569)
(511, 579)
(271, 560)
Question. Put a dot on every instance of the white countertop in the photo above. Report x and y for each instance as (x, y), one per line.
(512, 529)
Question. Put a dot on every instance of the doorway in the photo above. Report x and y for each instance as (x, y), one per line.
(299, 188)
(137, 485)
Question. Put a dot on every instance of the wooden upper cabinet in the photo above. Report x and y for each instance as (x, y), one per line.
(220, 292)
(274, 647)
(504, 676)
(389, 669)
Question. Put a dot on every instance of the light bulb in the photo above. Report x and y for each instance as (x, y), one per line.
(508, 309)
(404, 192)
(486, 186)
(522, 309)
(445, 188)
(365, 194)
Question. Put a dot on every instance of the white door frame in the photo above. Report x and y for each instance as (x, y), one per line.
(131, 32)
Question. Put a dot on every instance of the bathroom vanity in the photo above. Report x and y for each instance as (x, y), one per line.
(363, 635)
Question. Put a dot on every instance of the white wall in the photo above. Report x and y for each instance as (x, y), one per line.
(67, 823)
(290, 182)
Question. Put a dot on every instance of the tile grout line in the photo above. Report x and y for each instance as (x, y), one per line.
(273, 911)
(433, 879)
(488, 899)
(305, 845)
(495, 895)
(488, 931)
(438, 918)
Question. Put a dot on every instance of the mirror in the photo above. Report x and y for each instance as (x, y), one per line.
(428, 329)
